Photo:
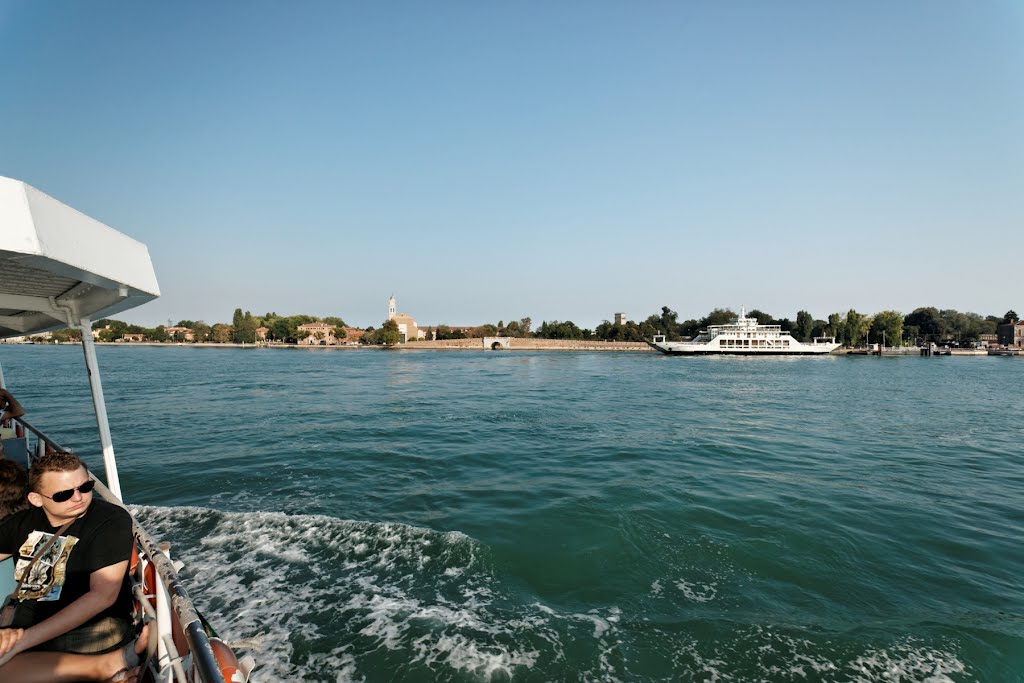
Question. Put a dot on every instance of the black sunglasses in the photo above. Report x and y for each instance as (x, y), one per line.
(66, 494)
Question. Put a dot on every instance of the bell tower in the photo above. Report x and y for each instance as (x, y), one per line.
(391, 307)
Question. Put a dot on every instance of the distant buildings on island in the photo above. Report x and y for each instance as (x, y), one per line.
(408, 328)
(1009, 334)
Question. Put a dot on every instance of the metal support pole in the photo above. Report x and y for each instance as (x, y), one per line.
(163, 614)
(109, 462)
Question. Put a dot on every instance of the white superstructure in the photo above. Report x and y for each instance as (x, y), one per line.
(745, 336)
(59, 266)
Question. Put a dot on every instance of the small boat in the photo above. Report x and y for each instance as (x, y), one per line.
(744, 336)
(60, 268)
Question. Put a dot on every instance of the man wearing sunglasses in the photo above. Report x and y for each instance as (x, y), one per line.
(77, 598)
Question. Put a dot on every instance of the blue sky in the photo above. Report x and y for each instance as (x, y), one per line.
(488, 161)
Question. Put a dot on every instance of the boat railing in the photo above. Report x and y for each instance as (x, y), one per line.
(170, 593)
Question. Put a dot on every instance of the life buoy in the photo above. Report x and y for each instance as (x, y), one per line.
(227, 661)
(149, 583)
(148, 579)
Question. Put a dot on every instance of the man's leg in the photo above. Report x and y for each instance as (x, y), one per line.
(58, 667)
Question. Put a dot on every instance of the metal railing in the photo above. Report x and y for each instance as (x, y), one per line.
(203, 659)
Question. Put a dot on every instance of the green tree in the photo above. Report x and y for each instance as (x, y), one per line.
(108, 335)
(887, 328)
(221, 333)
(929, 323)
(687, 328)
(719, 316)
(835, 326)
(110, 330)
(389, 334)
(340, 333)
(334, 320)
(560, 330)
(1010, 317)
(67, 335)
(669, 323)
(487, 330)
(804, 326)
(855, 328)
(200, 331)
(244, 331)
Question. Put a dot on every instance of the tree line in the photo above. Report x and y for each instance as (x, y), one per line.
(853, 328)
(242, 329)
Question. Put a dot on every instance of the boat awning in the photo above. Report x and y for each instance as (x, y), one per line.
(59, 266)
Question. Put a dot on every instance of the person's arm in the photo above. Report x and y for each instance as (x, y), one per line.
(104, 587)
(10, 405)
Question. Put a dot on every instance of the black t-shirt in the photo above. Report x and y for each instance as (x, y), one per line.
(100, 538)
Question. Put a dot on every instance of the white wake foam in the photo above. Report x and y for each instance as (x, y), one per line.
(356, 601)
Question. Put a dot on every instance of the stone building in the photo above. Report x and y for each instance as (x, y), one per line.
(312, 334)
(1011, 334)
(186, 333)
(406, 324)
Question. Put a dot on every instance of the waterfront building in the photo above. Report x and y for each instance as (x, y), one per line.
(1011, 334)
(406, 324)
(621, 319)
(312, 334)
(186, 333)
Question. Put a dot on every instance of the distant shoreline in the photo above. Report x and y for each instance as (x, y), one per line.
(473, 344)
(476, 344)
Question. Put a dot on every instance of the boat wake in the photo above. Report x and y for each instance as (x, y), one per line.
(336, 600)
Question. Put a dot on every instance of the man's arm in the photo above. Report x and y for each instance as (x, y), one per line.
(10, 405)
(104, 586)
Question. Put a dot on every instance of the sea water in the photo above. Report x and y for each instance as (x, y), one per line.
(561, 516)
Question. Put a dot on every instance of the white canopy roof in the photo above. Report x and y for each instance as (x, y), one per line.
(59, 266)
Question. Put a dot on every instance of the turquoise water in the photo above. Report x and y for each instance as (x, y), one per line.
(474, 516)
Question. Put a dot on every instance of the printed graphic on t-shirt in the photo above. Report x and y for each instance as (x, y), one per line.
(46, 580)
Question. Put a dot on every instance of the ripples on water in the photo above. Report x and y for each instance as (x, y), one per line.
(472, 516)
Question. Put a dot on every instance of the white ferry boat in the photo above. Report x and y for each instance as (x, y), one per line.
(60, 268)
(744, 336)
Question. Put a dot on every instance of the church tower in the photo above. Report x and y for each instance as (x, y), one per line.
(391, 307)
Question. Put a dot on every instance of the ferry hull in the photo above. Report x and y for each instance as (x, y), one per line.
(678, 349)
(674, 352)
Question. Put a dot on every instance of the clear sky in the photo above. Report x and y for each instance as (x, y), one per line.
(487, 161)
